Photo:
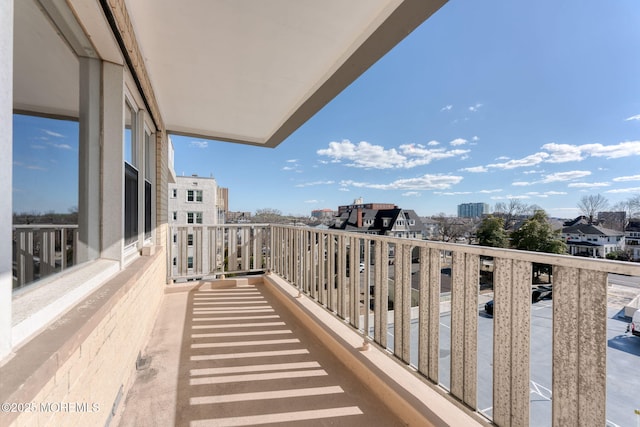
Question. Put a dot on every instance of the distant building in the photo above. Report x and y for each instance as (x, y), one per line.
(592, 241)
(472, 210)
(379, 218)
(632, 239)
(238, 217)
(613, 220)
(193, 201)
(323, 214)
(358, 203)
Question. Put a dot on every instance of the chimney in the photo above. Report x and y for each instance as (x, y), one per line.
(359, 218)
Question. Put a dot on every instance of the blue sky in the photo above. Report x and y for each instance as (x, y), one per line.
(484, 102)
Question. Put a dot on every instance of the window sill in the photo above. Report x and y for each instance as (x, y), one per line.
(38, 305)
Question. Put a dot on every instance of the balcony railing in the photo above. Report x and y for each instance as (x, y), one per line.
(370, 282)
(197, 251)
(42, 250)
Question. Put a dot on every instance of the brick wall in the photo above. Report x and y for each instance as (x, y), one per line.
(114, 324)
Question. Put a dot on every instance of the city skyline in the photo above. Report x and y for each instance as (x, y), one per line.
(482, 103)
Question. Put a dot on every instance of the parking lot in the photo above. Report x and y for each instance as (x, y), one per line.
(623, 364)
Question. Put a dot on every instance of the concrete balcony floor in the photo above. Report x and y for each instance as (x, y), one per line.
(229, 353)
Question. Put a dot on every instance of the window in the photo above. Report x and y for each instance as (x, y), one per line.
(190, 262)
(175, 215)
(194, 217)
(130, 178)
(175, 238)
(194, 195)
(189, 239)
(175, 261)
(174, 193)
(189, 217)
(198, 217)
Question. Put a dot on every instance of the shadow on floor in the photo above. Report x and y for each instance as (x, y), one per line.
(244, 360)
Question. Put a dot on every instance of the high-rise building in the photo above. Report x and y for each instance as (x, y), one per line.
(472, 210)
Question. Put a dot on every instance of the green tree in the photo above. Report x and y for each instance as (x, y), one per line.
(537, 235)
(491, 233)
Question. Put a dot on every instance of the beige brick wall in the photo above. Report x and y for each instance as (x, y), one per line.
(105, 359)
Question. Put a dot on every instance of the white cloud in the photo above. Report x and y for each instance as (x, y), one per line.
(561, 153)
(528, 161)
(475, 138)
(475, 108)
(446, 108)
(366, 155)
(452, 193)
(425, 182)
(588, 184)
(344, 189)
(292, 161)
(312, 201)
(458, 141)
(61, 146)
(503, 158)
(533, 171)
(625, 190)
(35, 168)
(288, 168)
(309, 184)
(498, 190)
(433, 143)
(636, 117)
(565, 176)
(555, 193)
(475, 169)
(199, 144)
(522, 183)
(627, 178)
(411, 194)
(51, 133)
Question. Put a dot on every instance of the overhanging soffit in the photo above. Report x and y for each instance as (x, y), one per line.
(253, 71)
(249, 71)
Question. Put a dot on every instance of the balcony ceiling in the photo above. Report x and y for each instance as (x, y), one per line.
(247, 71)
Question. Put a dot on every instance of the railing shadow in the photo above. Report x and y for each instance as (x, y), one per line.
(244, 360)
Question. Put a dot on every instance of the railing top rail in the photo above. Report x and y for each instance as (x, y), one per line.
(43, 226)
(594, 264)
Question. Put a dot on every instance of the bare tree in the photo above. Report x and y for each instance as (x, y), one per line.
(591, 205)
(512, 210)
(630, 206)
(450, 227)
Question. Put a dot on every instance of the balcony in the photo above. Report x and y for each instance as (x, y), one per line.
(412, 332)
(220, 343)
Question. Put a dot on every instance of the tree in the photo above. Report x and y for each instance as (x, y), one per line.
(631, 207)
(537, 235)
(451, 227)
(512, 210)
(591, 205)
(269, 216)
(491, 233)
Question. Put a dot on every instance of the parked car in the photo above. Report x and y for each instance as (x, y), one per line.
(541, 292)
(538, 293)
(488, 308)
(634, 326)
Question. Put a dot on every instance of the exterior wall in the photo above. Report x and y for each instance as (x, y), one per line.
(97, 358)
(179, 204)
